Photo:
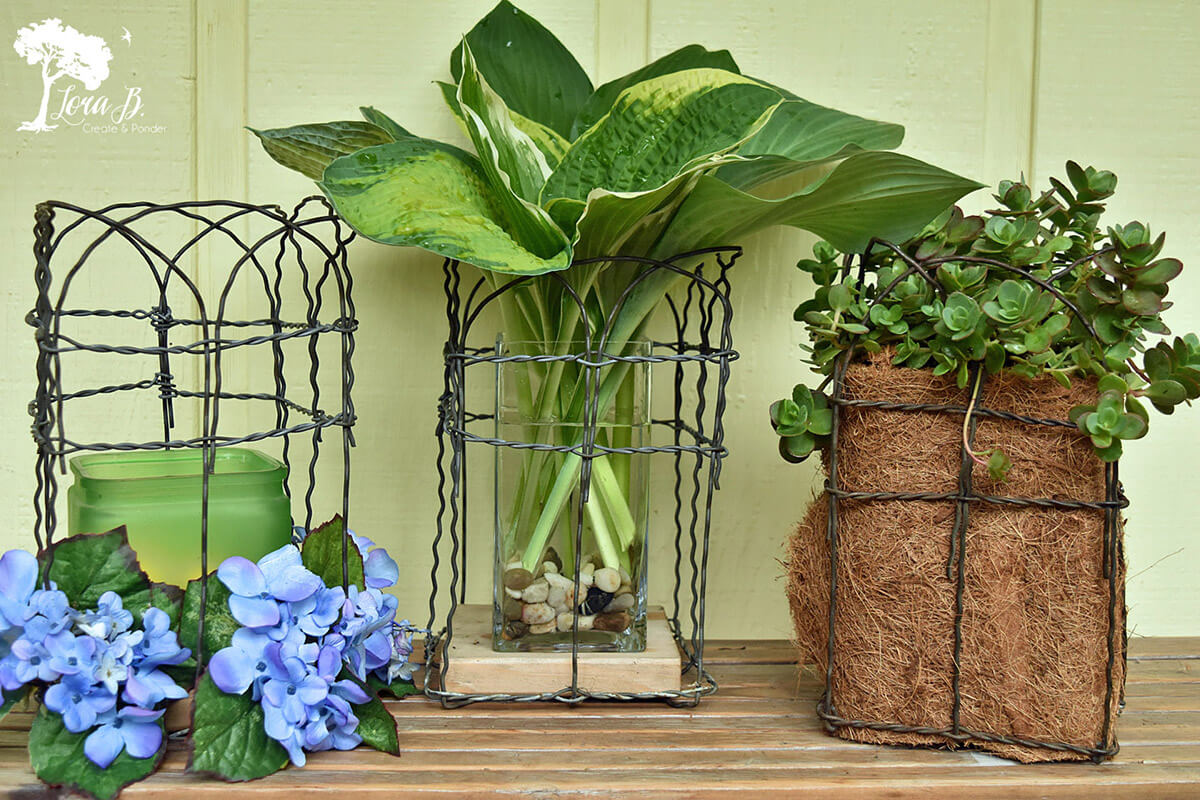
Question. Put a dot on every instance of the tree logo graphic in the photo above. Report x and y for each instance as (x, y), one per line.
(61, 50)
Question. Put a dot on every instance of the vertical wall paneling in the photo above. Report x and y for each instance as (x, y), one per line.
(1008, 112)
(622, 37)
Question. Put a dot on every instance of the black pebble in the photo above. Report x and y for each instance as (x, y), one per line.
(596, 601)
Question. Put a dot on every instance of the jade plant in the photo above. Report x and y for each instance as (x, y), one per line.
(975, 291)
(671, 158)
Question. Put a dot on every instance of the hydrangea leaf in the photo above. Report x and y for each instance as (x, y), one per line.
(219, 624)
(11, 699)
(659, 128)
(228, 739)
(310, 148)
(322, 554)
(693, 56)
(88, 565)
(57, 758)
(377, 726)
(435, 196)
(527, 66)
(397, 688)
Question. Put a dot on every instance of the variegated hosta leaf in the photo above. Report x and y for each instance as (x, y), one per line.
(801, 134)
(508, 155)
(308, 149)
(693, 56)
(527, 66)
(875, 194)
(548, 141)
(628, 223)
(659, 128)
(432, 195)
(382, 120)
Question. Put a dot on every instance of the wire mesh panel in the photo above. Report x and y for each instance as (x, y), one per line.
(965, 497)
(690, 437)
(142, 344)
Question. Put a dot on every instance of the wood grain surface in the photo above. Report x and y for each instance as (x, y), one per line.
(758, 737)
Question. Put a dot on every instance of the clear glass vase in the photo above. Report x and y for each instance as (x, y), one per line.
(542, 532)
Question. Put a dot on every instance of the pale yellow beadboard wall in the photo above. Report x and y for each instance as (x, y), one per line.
(988, 89)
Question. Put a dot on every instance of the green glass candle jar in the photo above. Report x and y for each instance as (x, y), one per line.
(156, 495)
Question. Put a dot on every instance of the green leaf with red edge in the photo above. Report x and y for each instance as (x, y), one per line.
(377, 726)
(228, 740)
(57, 757)
(322, 554)
(90, 564)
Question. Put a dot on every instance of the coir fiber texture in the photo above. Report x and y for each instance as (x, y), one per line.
(1035, 621)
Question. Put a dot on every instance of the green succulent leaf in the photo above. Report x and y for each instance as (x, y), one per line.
(796, 449)
(309, 149)
(998, 465)
(527, 66)
(427, 194)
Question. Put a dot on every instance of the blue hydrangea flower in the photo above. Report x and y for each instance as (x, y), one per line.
(49, 613)
(79, 702)
(256, 588)
(242, 665)
(399, 667)
(70, 654)
(18, 579)
(31, 661)
(379, 569)
(367, 617)
(108, 619)
(159, 645)
(131, 728)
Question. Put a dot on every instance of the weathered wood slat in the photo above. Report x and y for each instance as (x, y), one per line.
(757, 737)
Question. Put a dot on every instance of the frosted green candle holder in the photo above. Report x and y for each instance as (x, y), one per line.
(156, 495)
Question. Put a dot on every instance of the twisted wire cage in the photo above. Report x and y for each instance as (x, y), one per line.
(698, 358)
(271, 250)
(963, 497)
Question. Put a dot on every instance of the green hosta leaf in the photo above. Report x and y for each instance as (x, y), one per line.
(309, 149)
(377, 727)
(322, 554)
(88, 565)
(228, 739)
(382, 120)
(884, 195)
(660, 128)
(527, 66)
(692, 56)
(57, 758)
(510, 158)
(620, 222)
(219, 624)
(427, 194)
(552, 145)
(800, 135)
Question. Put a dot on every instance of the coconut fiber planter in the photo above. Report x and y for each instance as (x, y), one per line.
(964, 613)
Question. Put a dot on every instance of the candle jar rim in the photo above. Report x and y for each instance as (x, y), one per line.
(120, 467)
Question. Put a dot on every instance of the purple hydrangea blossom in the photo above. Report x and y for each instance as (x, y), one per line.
(79, 701)
(257, 589)
(18, 579)
(379, 569)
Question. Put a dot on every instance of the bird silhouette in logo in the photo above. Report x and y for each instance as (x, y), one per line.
(126, 37)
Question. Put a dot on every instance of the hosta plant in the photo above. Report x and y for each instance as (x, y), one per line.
(292, 662)
(989, 305)
(673, 157)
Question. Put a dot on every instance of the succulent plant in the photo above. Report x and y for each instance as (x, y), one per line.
(990, 303)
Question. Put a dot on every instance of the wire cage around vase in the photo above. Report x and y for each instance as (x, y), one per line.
(191, 351)
(697, 354)
(964, 496)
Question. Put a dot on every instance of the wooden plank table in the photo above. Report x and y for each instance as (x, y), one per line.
(758, 737)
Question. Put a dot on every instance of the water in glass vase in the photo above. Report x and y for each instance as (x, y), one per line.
(560, 563)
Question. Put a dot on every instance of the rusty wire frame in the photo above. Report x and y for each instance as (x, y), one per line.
(1114, 500)
(701, 313)
(276, 245)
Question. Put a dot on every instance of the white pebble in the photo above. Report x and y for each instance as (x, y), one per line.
(625, 576)
(513, 593)
(557, 580)
(588, 568)
(607, 579)
(537, 614)
(543, 627)
(536, 592)
(549, 567)
(557, 598)
(586, 579)
(513, 565)
(622, 602)
(565, 622)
